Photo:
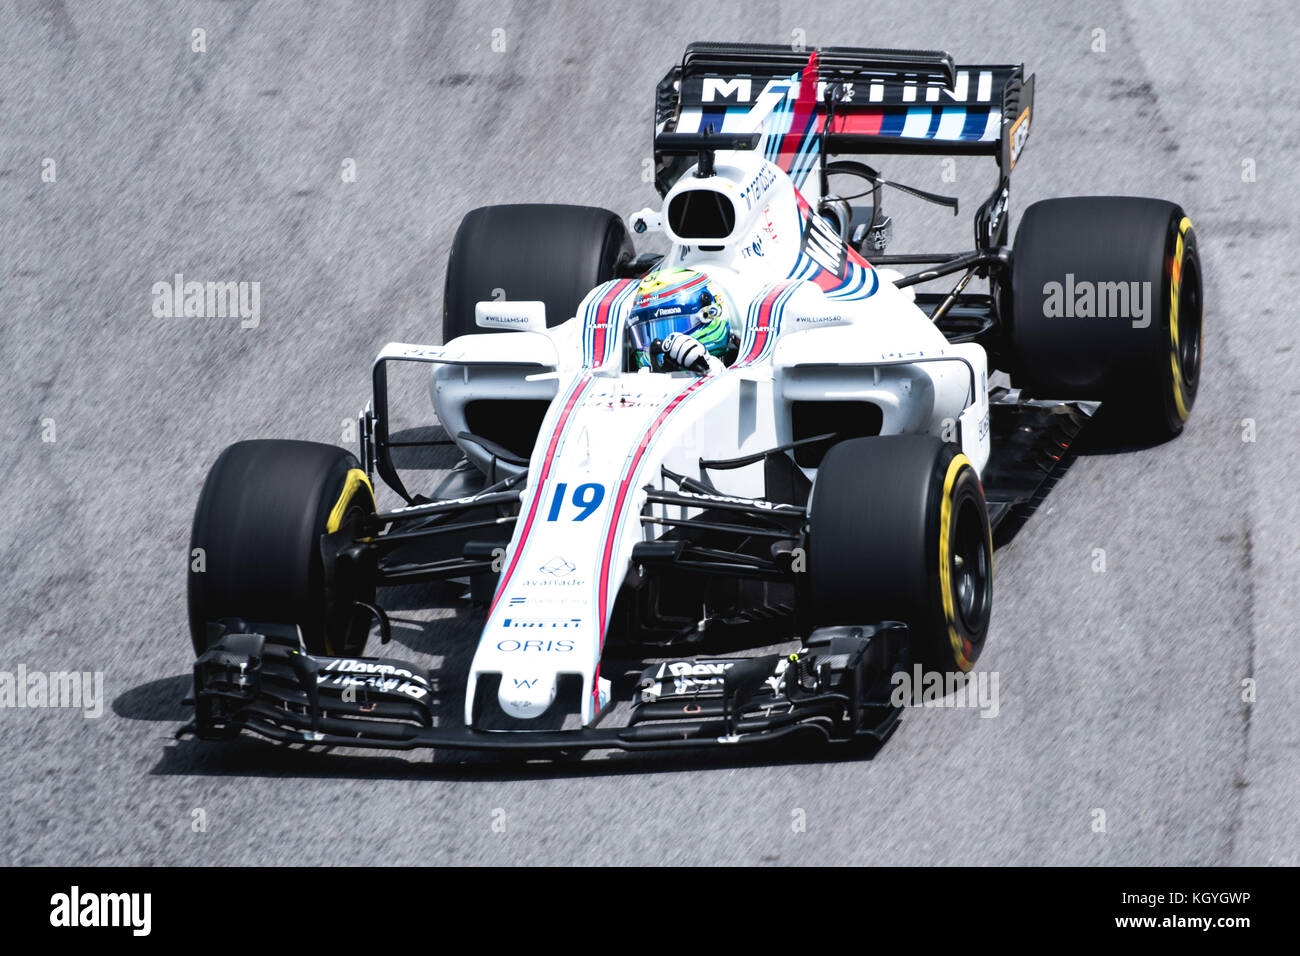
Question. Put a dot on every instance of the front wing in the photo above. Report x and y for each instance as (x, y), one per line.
(836, 688)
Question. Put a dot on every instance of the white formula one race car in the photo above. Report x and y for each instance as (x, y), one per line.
(758, 438)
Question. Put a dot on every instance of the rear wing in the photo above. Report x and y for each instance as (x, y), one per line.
(868, 100)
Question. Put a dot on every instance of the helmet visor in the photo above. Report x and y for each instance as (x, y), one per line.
(646, 330)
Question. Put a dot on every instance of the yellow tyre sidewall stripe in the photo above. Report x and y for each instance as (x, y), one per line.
(1175, 286)
(355, 480)
(959, 461)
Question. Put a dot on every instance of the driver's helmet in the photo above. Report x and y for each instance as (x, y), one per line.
(679, 300)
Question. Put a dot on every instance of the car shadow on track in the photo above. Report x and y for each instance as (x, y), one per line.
(249, 757)
(1019, 516)
(1108, 433)
(1105, 434)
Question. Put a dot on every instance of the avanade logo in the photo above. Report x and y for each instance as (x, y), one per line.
(75, 909)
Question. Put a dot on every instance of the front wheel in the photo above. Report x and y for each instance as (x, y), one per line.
(899, 531)
(256, 542)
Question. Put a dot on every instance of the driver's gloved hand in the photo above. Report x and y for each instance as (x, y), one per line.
(680, 350)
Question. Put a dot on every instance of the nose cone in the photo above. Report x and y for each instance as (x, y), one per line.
(526, 695)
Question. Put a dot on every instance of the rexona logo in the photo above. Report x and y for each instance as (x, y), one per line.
(76, 909)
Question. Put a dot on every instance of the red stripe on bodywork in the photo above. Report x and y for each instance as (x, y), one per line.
(805, 115)
(541, 487)
(856, 258)
(763, 326)
(600, 333)
(624, 487)
(865, 124)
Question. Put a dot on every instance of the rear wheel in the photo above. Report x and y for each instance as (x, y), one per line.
(899, 531)
(258, 524)
(552, 253)
(1107, 304)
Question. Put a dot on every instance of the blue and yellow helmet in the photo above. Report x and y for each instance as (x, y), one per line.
(679, 300)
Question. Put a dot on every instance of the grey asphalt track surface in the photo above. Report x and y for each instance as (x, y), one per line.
(1121, 691)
